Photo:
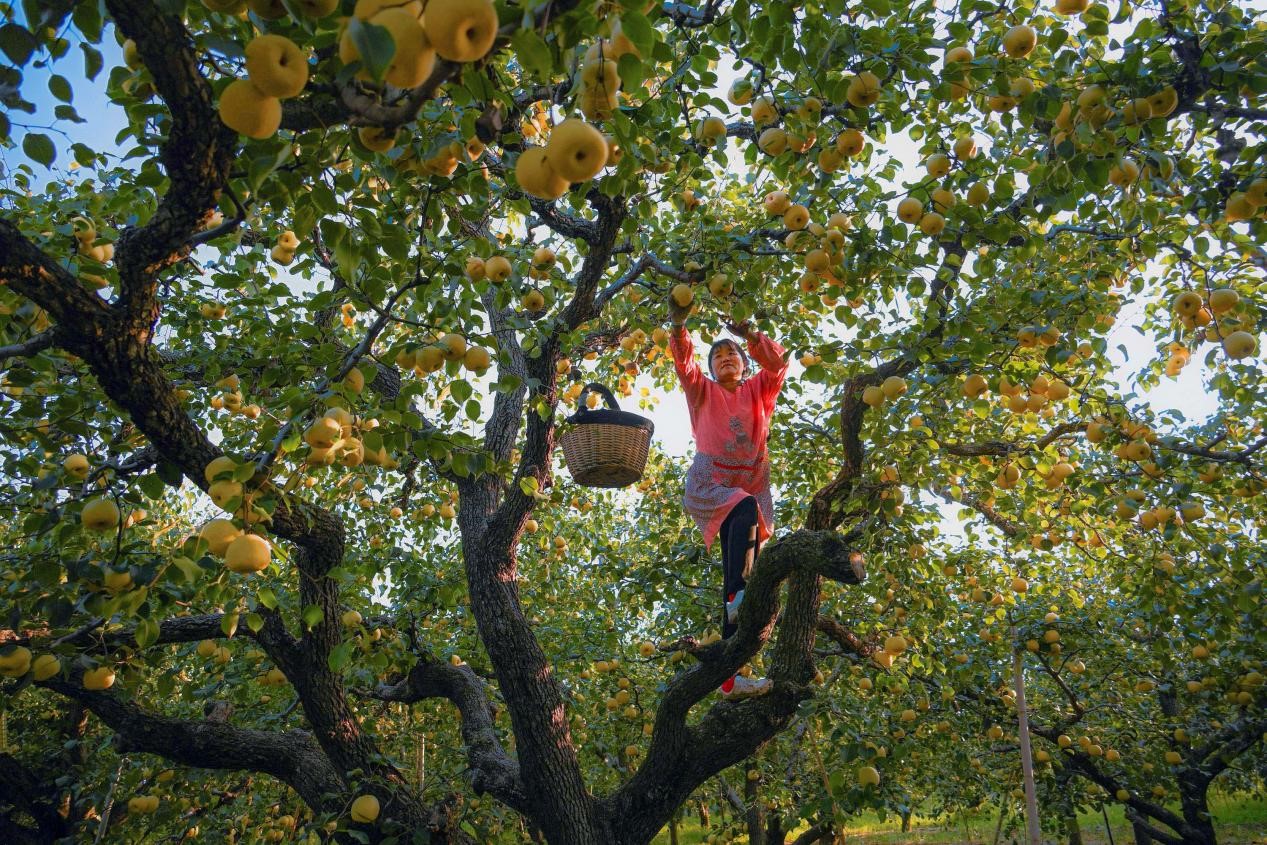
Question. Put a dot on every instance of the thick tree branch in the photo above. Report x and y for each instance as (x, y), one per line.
(492, 769)
(196, 155)
(29, 347)
(292, 757)
(729, 732)
(1007, 526)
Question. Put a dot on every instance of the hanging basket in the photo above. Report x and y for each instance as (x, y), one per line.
(606, 447)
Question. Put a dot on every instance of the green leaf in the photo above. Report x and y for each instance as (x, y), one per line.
(639, 30)
(340, 655)
(92, 60)
(267, 597)
(374, 44)
(39, 148)
(311, 616)
(190, 570)
(229, 623)
(17, 43)
(533, 53)
(59, 87)
(255, 622)
(151, 485)
(146, 633)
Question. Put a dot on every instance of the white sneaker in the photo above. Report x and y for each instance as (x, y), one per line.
(747, 688)
(732, 607)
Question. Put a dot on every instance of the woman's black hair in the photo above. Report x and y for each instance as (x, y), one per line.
(725, 341)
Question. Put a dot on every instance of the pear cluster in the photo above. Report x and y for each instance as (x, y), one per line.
(277, 68)
(576, 152)
(1219, 318)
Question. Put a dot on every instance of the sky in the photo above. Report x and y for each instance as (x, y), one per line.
(1185, 393)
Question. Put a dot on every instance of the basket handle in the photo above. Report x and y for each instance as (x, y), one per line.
(600, 390)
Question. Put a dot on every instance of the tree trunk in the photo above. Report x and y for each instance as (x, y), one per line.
(755, 813)
(1142, 836)
(703, 815)
(1193, 797)
(1071, 828)
(673, 830)
(906, 821)
(774, 833)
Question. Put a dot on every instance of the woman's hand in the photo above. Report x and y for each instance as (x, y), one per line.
(678, 313)
(740, 329)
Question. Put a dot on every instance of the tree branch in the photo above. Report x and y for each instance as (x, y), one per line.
(292, 757)
(492, 769)
(196, 155)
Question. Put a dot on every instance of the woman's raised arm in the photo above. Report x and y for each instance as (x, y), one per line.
(688, 371)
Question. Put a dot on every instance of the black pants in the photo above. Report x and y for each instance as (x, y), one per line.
(738, 530)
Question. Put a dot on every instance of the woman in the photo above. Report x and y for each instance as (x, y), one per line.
(728, 484)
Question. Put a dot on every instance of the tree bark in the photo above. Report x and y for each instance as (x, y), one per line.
(1072, 830)
(754, 813)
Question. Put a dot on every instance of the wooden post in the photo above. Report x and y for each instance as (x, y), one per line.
(1035, 834)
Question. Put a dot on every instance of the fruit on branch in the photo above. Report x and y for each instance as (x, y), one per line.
(100, 678)
(453, 346)
(776, 203)
(498, 269)
(682, 295)
(276, 66)
(764, 111)
(100, 514)
(76, 466)
(868, 777)
(863, 90)
(938, 165)
(710, 130)
(45, 666)
(537, 177)
(796, 217)
(15, 663)
(218, 534)
(741, 91)
(1240, 344)
(1019, 41)
(477, 359)
(376, 139)
(250, 112)
(461, 30)
(850, 142)
(910, 210)
(772, 141)
(248, 553)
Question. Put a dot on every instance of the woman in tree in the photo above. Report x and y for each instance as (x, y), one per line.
(728, 484)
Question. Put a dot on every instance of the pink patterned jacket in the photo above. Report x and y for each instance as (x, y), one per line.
(730, 430)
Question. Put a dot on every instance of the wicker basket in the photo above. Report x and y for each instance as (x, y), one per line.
(606, 447)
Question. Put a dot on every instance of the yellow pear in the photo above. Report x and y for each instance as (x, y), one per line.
(537, 177)
(100, 514)
(577, 151)
(247, 110)
(218, 534)
(99, 679)
(15, 663)
(863, 90)
(1019, 41)
(461, 30)
(910, 210)
(248, 553)
(76, 466)
(45, 666)
(276, 66)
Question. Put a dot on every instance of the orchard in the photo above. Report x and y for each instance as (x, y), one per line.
(297, 297)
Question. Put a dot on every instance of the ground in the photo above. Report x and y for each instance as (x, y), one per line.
(1241, 820)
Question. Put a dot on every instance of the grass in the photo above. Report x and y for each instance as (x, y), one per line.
(1239, 819)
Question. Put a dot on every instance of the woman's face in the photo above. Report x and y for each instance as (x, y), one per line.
(727, 364)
